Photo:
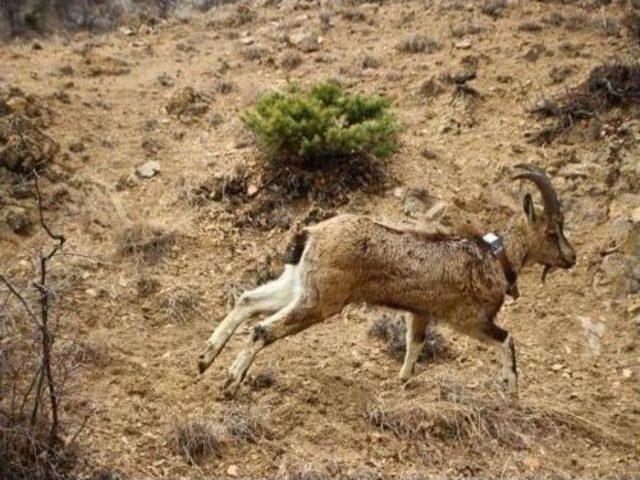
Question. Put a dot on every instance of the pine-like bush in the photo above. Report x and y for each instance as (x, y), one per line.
(311, 128)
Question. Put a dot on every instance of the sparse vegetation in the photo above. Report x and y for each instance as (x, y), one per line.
(290, 60)
(198, 439)
(419, 43)
(463, 415)
(632, 22)
(310, 128)
(608, 86)
(180, 304)
(145, 240)
(225, 86)
(392, 331)
(494, 8)
(172, 208)
(33, 372)
(263, 379)
(244, 424)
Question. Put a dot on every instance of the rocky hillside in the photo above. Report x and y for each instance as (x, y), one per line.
(170, 212)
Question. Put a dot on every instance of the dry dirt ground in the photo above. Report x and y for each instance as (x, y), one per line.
(140, 314)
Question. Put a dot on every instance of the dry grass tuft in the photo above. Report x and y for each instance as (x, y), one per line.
(94, 349)
(494, 8)
(198, 439)
(471, 417)
(225, 87)
(392, 331)
(245, 424)
(290, 60)
(146, 286)
(263, 379)
(418, 44)
(305, 472)
(319, 471)
(147, 241)
(179, 304)
(241, 14)
(608, 86)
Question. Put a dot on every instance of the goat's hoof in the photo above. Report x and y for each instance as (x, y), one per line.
(230, 388)
(202, 365)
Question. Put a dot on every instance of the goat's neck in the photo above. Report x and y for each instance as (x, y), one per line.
(516, 237)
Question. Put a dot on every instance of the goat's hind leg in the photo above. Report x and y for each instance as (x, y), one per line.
(267, 298)
(291, 319)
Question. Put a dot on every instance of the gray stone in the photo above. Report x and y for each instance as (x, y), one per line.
(148, 169)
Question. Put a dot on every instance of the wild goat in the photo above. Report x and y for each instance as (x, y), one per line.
(350, 258)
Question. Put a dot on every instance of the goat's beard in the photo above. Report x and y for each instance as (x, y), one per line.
(547, 269)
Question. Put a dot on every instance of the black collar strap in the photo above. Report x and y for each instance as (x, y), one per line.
(497, 250)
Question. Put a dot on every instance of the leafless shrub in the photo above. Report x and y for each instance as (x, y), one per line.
(418, 44)
(608, 86)
(198, 439)
(470, 417)
(392, 331)
(32, 374)
(145, 240)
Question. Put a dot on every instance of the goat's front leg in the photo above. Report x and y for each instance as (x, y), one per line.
(416, 334)
(291, 319)
(504, 341)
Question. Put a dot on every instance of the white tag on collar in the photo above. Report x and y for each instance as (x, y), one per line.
(490, 238)
(494, 242)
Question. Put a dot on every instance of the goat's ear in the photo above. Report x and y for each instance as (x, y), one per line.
(529, 211)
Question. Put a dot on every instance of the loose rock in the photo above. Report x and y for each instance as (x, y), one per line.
(148, 169)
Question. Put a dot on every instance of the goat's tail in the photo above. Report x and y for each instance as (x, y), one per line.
(294, 250)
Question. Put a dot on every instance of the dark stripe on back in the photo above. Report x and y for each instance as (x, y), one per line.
(296, 247)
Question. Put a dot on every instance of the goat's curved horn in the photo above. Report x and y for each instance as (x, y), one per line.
(540, 179)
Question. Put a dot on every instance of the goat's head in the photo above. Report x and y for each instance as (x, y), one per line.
(549, 246)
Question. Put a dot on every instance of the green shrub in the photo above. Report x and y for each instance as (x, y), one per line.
(310, 128)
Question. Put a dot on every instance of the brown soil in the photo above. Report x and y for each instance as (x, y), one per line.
(147, 304)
